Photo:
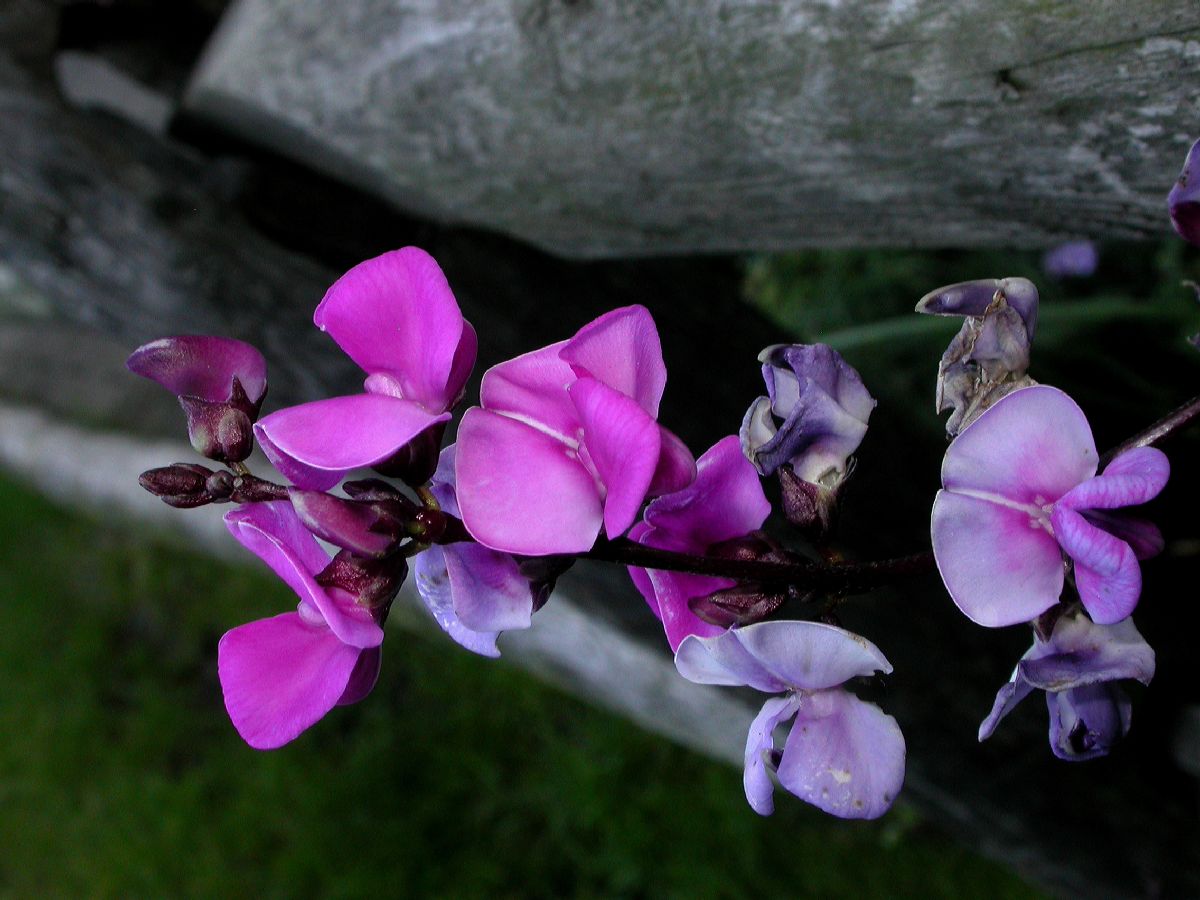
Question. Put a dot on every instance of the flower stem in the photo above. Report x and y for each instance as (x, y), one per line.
(1172, 422)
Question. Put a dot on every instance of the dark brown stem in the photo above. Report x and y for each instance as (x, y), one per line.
(1161, 430)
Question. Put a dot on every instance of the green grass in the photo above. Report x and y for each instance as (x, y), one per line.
(120, 775)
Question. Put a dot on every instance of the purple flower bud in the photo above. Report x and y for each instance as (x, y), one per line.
(373, 583)
(1073, 259)
(185, 485)
(1183, 202)
(824, 407)
(365, 527)
(988, 357)
(220, 384)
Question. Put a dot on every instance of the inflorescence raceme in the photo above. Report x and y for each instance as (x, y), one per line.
(564, 458)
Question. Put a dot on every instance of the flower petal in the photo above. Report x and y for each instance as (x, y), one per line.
(433, 584)
(1106, 569)
(521, 491)
(843, 756)
(1136, 476)
(760, 743)
(668, 596)
(622, 350)
(533, 389)
(344, 523)
(363, 678)
(462, 365)
(1085, 722)
(1007, 698)
(273, 532)
(315, 444)
(676, 465)
(811, 655)
(1080, 652)
(1031, 447)
(1183, 201)
(999, 566)
(281, 675)
(488, 590)
(194, 365)
(396, 314)
(723, 660)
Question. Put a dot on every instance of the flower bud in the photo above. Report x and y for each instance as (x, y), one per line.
(220, 383)
(365, 527)
(736, 606)
(182, 485)
(1087, 721)
(373, 583)
(1183, 202)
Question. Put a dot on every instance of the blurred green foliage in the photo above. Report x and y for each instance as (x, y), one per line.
(458, 777)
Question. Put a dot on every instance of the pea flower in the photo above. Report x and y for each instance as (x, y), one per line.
(1183, 202)
(282, 674)
(1071, 259)
(566, 443)
(1020, 489)
(989, 356)
(220, 383)
(472, 592)
(842, 755)
(1078, 667)
(725, 501)
(395, 316)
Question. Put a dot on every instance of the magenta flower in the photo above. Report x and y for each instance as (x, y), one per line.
(1020, 490)
(1078, 667)
(395, 316)
(472, 592)
(566, 441)
(842, 755)
(220, 384)
(725, 501)
(280, 675)
(1183, 202)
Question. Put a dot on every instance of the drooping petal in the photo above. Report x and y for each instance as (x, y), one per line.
(676, 465)
(760, 742)
(522, 491)
(999, 565)
(315, 444)
(1032, 447)
(724, 501)
(433, 584)
(623, 443)
(274, 533)
(281, 675)
(1086, 722)
(533, 388)
(200, 366)
(395, 313)
(1082, 652)
(622, 350)
(668, 594)
(1007, 699)
(1135, 477)
(488, 590)
(811, 655)
(363, 678)
(843, 756)
(1106, 570)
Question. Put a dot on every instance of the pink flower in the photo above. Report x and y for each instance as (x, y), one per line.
(395, 316)
(724, 502)
(280, 675)
(1020, 490)
(566, 441)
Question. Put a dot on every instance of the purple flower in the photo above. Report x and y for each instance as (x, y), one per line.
(989, 356)
(1072, 259)
(220, 384)
(843, 755)
(280, 675)
(1183, 202)
(395, 316)
(1078, 667)
(1020, 489)
(725, 501)
(566, 441)
(472, 592)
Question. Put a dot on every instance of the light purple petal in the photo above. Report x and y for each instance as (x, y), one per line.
(533, 387)
(843, 756)
(760, 742)
(363, 678)
(972, 298)
(314, 444)
(396, 314)
(433, 584)
(194, 365)
(813, 366)
(281, 675)
(1100, 653)
(676, 465)
(522, 491)
(1106, 569)
(723, 660)
(811, 655)
(1135, 477)
(1143, 537)
(1183, 202)
(999, 566)
(724, 501)
(1086, 722)
(1006, 700)
(623, 443)
(1032, 447)
(622, 350)
(489, 592)
(274, 533)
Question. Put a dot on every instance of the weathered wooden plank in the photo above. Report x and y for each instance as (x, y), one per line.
(631, 128)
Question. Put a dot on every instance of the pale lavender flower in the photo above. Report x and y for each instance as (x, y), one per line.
(396, 317)
(1019, 490)
(725, 501)
(220, 383)
(566, 442)
(843, 755)
(1078, 667)
(1183, 202)
(1071, 259)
